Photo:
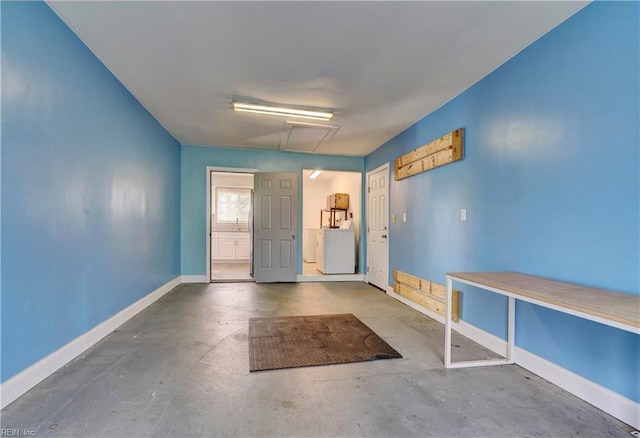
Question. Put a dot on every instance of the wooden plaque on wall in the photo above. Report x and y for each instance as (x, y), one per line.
(441, 151)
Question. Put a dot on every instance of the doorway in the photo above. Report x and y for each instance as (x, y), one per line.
(329, 252)
(230, 218)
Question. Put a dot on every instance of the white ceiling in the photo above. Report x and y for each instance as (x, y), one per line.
(381, 66)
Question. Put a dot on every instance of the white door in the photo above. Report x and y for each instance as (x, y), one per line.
(378, 226)
(275, 227)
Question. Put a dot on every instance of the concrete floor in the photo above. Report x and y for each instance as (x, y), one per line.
(238, 271)
(180, 368)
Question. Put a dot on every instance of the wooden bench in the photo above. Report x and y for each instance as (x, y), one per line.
(614, 309)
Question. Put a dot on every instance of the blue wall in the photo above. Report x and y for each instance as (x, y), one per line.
(95, 212)
(195, 160)
(550, 181)
(90, 190)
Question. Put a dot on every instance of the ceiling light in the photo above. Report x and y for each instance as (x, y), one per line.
(315, 174)
(281, 111)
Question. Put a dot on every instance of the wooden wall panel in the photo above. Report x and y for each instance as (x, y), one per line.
(441, 151)
(428, 294)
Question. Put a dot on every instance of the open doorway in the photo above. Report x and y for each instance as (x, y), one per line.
(231, 201)
(331, 237)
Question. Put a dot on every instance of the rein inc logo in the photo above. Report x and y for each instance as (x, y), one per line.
(6, 431)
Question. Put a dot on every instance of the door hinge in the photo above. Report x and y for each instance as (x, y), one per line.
(368, 189)
(367, 269)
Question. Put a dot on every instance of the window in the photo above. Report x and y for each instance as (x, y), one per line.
(233, 205)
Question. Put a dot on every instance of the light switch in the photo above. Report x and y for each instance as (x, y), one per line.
(463, 214)
(404, 216)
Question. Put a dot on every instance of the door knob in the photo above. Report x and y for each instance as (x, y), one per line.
(384, 236)
(293, 236)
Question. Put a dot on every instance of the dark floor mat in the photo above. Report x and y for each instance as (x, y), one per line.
(301, 341)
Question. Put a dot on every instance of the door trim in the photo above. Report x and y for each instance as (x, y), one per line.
(366, 207)
(207, 229)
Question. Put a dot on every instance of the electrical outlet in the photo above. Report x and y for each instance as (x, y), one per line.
(463, 214)
(393, 218)
(404, 216)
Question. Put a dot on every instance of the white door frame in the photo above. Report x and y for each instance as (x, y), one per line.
(368, 174)
(208, 208)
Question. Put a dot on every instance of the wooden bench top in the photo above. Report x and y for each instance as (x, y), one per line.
(619, 307)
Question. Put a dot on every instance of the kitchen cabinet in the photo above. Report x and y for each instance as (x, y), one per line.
(230, 245)
(226, 249)
(243, 249)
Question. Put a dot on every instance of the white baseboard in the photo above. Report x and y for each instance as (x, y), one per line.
(195, 279)
(22, 382)
(300, 278)
(329, 278)
(486, 339)
(611, 402)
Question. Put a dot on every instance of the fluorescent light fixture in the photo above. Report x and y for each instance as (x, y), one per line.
(315, 174)
(280, 111)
